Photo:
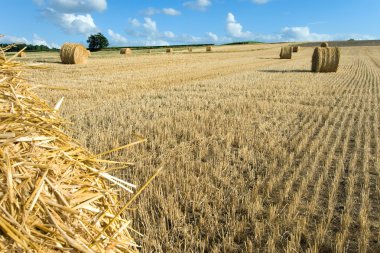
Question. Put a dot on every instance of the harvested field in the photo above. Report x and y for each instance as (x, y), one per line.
(259, 154)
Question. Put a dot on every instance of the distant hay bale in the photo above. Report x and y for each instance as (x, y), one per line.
(169, 50)
(296, 49)
(208, 49)
(324, 44)
(2, 56)
(149, 51)
(325, 59)
(73, 54)
(189, 49)
(22, 54)
(286, 53)
(125, 51)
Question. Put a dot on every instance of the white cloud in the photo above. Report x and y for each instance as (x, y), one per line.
(74, 6)
(212, 36)
(169, 34)
(167, 11)
(150, 25)
(302, 34)
(134, 22)
(171, 12)
(118, 39)
(200, 5)
(260, 1)
(156, 43)
(235, 29)
(9, 39)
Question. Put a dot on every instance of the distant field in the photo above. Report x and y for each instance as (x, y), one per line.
(355, 43)
(259, 154)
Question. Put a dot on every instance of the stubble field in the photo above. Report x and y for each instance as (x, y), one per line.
(259, 154)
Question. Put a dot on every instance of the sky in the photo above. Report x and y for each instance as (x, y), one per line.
(153, 22)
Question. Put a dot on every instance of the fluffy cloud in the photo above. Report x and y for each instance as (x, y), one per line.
(167, 11)
(150, 26)
(260, 1)
(169, 34)
(134, 22)
(235, 29)
(116, 38)
(212, 36)
(74, 6)
(171, 12)
(72, 23)
(302, 34)
(9, 39)
(200, 5)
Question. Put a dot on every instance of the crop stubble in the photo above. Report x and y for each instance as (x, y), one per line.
(259, 154)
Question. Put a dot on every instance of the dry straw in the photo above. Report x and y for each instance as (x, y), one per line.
(73, 54)
(324, 44)
(208, 49)
(325, 59)
(286, 53)
(169, 50)
(88, 52)
(55, 195)
(296, 49)
(125, 51)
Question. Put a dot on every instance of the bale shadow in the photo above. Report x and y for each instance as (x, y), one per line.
(285, 71)
(47, 61)
(269, 58)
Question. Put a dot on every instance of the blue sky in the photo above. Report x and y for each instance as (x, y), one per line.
(152, 22)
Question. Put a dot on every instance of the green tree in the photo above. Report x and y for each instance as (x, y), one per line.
(97, 42)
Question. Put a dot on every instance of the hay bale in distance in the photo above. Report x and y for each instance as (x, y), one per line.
(149, 51)
(21, 54)
(296, 49)
(208, 49)
(189, 49)
(324, 44)
(286, 52)
(125, 51)
(169, 50)
(72, 53)
(2, 56)
(325, 59)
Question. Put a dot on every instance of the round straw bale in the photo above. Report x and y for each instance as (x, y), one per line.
(88, 52)
(125, 51)
(149, 51)
(189, 49)
(324, 44)
(286, 53)
(169, 50)
(325, 59)
(73, 54)
(2, 56)
(208, 49)
(296, 49)
(22, 54)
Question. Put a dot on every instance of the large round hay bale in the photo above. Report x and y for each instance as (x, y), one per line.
(325, 59)
(208, 49)
(72, 53)
(125, 51)
(286, 53)
(169, 50)
(324, 44)
(296, 49)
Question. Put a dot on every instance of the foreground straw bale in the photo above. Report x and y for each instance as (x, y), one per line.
(286, 53)
(325, 59)
(72, 53)
(55, 195)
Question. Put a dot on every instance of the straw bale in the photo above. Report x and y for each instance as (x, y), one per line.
(325, 59)
(88, 53)
(22, 54)
(296, 49)
(72, 53)
(169, 50)
(286, 53)
(125, 51)
(324, 44)
(2, 56)
(208, 49)
(55, 195)
(189, 49)
(149, 51)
